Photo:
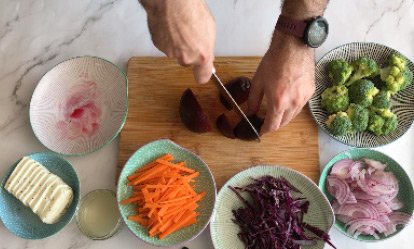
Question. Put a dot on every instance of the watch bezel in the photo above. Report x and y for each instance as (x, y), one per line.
(306, 33)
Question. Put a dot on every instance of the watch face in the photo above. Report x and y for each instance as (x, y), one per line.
(317, 32)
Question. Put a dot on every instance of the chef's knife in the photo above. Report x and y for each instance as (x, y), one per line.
(226, 94)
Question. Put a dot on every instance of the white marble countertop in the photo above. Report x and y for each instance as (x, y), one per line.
(37, 34)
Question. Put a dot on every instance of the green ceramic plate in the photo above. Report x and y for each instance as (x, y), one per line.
(405, 194)
(224, 231)
(205, 182)
(21, 220)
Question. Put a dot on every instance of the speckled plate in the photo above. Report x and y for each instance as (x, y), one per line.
(402, 104)
(80, 105)
(405, 194)
(224, 230)
(205, 182)
(19, 219)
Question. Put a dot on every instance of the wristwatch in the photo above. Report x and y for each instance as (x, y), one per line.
(313, 32)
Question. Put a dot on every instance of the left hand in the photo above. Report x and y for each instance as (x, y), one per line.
(286, 77)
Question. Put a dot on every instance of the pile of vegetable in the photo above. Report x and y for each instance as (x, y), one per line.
(164, 196)
(196, 119)
(273, 218)
(360, 96)
(366, 197)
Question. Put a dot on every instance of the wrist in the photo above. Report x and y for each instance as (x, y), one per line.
(282, 40)
(303, 9)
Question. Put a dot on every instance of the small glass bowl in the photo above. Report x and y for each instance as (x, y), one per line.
(98, 216)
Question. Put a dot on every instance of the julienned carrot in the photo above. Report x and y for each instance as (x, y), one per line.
(164, 196)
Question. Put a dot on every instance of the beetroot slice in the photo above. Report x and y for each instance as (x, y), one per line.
(192, 114)
(243, 130)
(239, 89)
(224, 126)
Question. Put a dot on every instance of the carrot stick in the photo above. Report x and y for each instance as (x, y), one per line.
(164, 196)
(174, 166)
(187, 217)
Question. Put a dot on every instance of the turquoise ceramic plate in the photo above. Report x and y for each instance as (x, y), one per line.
(405, 194)
(19, 219)
(224, 231)
(205, 182)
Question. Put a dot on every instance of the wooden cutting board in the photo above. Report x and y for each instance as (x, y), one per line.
(155, 88)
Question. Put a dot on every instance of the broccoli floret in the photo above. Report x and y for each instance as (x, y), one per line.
(396, 75)
(339, 124)
(382, 100)
(339, 71)
(362, 92)
(382, 123)
(335, 99)
(376, 122)
(359, 117)
(363, 68)
(398, 60)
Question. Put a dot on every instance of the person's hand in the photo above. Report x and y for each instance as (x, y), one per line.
(286, 77)
(185, 30)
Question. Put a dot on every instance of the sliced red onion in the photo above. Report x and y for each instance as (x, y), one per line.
(361, 222)
(344, 218)
(339, 188)
(366, 197)
(356, 168)
(341, 168)
(374, 164)
(384, 219)
(395, 204)
(362, 209)
(383, 208)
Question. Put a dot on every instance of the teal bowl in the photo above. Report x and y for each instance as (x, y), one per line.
(19, 219)
(205, 182)
(405, 193)
(224, 231)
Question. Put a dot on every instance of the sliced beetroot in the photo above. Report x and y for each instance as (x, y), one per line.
(243, 130)
(239, 89)
(192, 114)
(223, 124)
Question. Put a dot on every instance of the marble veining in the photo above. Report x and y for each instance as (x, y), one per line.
(35, 35)
(386, 11)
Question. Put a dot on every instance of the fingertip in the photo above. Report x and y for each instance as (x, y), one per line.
(272, 123)
(202, 73)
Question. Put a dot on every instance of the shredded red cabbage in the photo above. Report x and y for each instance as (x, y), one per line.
(273, 218)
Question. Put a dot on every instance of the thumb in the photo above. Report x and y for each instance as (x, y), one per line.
(202, 72)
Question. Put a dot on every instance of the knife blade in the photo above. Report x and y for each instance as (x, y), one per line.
(226, 94)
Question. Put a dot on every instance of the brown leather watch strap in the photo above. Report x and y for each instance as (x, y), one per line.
(291, 26)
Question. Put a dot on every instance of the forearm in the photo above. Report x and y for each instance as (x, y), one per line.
(303, 9)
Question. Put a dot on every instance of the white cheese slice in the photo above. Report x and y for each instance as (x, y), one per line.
(36, 187)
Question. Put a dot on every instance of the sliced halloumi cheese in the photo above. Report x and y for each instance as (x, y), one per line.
(36, 187)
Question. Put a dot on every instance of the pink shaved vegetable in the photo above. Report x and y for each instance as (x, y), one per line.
(365, 197)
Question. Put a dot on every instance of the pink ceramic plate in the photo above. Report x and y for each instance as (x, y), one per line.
(80, 105)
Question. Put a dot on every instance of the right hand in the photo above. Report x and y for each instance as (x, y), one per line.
(185, 30)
